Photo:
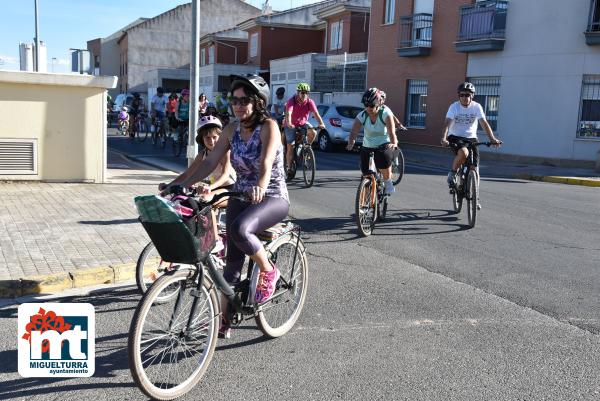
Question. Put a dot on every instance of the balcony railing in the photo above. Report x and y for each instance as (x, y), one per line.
(415, 35)
(592, 34)
(482, 26)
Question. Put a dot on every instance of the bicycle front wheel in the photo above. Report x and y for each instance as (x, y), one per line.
(279, 314)
(472, 197)
(397, 167)
(181, 143)
(142, 130)
(366, 206)
(309, 166)
(166, 357)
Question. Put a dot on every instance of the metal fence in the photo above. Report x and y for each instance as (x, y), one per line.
(589, 114)
(340, 73)
(488, 96)
(415, 30)
(483, 20)
(416, 103)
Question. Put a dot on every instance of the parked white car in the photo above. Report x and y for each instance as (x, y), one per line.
(338, 121)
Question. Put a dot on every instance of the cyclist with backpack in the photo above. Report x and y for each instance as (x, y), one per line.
(461, 127)
(379, 136)
(297, 111)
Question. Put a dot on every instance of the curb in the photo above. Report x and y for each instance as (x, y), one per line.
(79, 278)
(587, 182)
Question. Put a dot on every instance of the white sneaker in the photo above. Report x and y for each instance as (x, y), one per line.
(389, 187)
(219, 246)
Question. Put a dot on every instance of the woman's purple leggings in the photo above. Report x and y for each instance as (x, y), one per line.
(244, 220)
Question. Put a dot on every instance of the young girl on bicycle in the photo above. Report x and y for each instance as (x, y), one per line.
(221, 179)
(257, 157)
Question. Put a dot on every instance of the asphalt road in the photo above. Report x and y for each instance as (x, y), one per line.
(424, 309)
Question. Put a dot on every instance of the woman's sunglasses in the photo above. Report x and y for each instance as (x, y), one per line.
(243, 101)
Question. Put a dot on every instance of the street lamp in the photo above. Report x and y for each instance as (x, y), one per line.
(53, 58)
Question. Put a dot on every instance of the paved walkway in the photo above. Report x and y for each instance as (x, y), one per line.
(55, 236)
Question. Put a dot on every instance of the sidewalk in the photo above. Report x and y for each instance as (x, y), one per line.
(57, 236)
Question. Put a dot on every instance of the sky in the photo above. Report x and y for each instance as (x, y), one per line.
(65, 24)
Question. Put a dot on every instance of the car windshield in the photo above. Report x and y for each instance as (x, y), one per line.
(348, 111)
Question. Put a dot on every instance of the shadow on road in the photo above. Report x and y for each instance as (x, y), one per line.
(108, 222)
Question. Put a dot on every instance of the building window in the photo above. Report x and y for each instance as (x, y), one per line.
(211, 55)
(416, 103)
(336, 30)
(253, 45)
(203, 56)
(594, 24)
(389, 11)
(589, 109)
(488, 96)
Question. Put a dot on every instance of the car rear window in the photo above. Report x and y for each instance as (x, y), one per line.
(348, 111)
(322, 109)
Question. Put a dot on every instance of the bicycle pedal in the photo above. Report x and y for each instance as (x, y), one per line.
(195, 293)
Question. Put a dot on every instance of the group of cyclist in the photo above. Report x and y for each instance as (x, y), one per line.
(248, 156)
(174, 110)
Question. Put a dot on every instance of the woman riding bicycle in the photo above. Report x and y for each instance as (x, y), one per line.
(297, 111)
(257, 158)
(379, 136)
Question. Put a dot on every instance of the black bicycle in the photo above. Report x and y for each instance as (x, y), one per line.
(304, 156)
(466, 185)
(159, 132)
(172, 339)
(371, 199)
(398, 162)
(180, 140)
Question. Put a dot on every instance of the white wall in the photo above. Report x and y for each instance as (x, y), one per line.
(541, 68)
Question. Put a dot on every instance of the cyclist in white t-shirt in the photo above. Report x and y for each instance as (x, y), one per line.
(461, 127)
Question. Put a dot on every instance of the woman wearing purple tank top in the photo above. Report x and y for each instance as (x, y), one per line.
(257, 158)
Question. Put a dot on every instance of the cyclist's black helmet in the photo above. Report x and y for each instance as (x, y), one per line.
(254, 82)
(372, 97)
(136, 95)
(160, 90)
(280, 90)
(466, 87)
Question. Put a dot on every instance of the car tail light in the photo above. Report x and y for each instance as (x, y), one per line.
(336, 122)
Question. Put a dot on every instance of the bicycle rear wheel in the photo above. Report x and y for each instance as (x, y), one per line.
(309, 166)
(142, 130)
(167, 360)
(279, 314)
(366, 207)
(397, 167)
(164, 138)
(472, 197)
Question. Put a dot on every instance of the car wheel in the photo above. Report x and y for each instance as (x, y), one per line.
(325, 144)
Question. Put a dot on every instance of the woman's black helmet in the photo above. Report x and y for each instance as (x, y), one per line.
(466, 87)
(280, 90)
(372, 97)
(255, 83)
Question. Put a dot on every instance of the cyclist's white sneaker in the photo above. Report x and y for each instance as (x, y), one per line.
(219, 246)
(478, 206)
(389, 187)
